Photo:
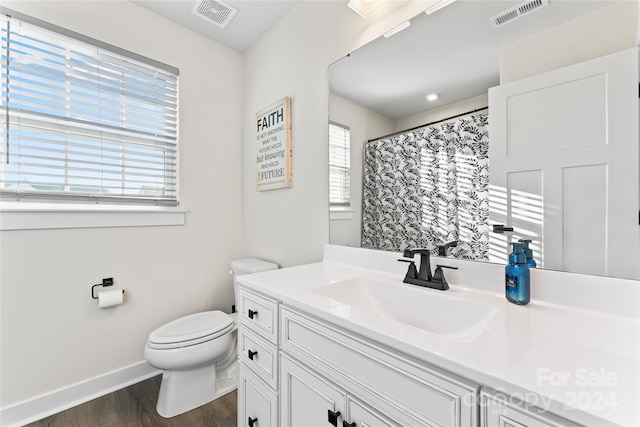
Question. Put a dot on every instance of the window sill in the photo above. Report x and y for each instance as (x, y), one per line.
(340, 214)
(23, 216)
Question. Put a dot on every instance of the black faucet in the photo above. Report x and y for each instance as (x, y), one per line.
(442, 248)
(423, 277)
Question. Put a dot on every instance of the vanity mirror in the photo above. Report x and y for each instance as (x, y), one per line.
(380, 89)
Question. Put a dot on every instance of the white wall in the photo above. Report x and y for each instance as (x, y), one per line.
(52, 333)
(290, 226)
(443, 112)
(364, 124)
(601, 32)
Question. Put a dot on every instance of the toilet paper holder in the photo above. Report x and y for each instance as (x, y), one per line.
(105, 282)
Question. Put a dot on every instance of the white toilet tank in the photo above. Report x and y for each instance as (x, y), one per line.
(248, 266)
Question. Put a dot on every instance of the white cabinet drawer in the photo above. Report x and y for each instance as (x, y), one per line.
(257, 403)
(497, 411)
(259, 313)
(259, 355)
(429, 395)
(361, 414)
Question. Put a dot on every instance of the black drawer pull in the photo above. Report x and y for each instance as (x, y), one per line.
(252, 354)
(333, 417)
(252, 421)
(346, 424)
(252, 313)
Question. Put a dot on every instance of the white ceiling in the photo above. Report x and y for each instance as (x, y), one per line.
(454, 52)
(253, 20)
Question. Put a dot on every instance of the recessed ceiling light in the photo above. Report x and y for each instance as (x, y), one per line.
(432, 97)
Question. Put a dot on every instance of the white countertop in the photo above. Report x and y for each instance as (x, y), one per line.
(552, 356)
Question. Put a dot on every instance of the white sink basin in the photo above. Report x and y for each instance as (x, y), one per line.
(430, 310)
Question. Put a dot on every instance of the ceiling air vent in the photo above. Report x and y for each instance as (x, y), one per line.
(217, 12)
(518, 12)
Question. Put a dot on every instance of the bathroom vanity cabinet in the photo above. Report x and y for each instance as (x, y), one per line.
(496, 411)
(299, 370)
(257, 360)
(328, 374)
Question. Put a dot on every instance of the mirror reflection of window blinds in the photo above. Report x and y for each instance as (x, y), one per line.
(339, 165)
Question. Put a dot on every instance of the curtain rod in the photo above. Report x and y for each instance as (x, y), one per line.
(428, 124)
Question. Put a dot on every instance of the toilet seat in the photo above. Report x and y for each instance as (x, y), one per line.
(190, 330)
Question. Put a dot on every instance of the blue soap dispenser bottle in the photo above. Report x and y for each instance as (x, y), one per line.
(531, 263)
(517, 276)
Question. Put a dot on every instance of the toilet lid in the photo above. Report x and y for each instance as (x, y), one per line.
(191, 329)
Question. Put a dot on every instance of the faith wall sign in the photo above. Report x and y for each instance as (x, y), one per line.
(273, 144)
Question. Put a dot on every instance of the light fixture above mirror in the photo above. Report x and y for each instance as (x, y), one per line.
(437, 6)
(397, 29)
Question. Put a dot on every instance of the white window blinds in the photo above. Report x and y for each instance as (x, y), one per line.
(82, 120)
(339, 165)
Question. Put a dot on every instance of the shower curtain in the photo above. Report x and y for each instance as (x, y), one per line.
(429, 186)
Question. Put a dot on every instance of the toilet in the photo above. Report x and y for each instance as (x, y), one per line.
(197, 353)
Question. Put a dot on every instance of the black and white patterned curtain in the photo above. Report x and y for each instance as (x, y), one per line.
(429, 186)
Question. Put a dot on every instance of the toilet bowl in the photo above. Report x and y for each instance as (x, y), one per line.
(197, 353)
(192, 351)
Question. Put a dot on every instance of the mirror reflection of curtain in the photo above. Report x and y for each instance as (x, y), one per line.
(429, 186)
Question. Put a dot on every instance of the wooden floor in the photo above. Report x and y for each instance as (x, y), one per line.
(135, 406)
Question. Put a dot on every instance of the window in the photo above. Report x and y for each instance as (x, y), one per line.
(84, 121)
(339, 166)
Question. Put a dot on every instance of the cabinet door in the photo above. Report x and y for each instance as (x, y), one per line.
(307, 399)
(496, 412)
(257, 403)
(360, 414)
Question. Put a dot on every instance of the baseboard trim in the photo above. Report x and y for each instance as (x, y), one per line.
(42, 406)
